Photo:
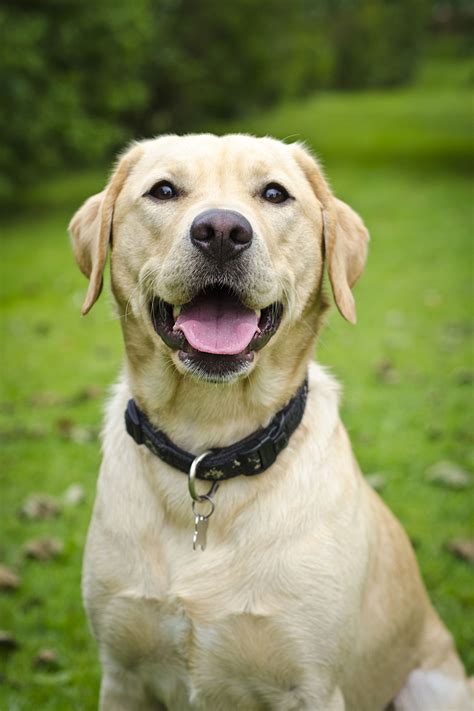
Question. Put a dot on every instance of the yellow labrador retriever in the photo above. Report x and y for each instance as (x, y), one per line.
(236, 557)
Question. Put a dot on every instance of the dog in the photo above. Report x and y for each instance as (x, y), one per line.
(237, 558)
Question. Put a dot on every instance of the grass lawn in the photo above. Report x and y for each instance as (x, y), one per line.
(399, 157)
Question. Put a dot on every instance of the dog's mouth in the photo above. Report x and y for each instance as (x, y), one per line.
(215, 333)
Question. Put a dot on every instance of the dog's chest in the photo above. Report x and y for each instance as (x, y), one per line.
(192, 652)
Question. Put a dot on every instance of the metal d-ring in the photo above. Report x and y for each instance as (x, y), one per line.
(205, 498)
(192, 481)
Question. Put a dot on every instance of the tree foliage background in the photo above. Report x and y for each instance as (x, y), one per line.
(81, 77)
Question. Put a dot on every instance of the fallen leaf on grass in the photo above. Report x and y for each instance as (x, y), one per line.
(90, 392)
(12, 683)
(39, 506)
(464, 435)
(462, 548)
(364, 438)
(8, 642)
(433, 432)
(432, 299)
(8, 580)
(394, 319)
(42, 328)
(47, 659)
(385, 372)
(31, 603)
(449, 475)
(64, 426)
(16, 433)
(82, 435)
(44, 548)
(76, 433)
(51, 399)
(74, 495)
(465, 377)
(45, 399)
(377, 481)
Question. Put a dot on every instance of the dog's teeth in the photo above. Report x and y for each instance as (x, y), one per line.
(259, 313)
(176, 311)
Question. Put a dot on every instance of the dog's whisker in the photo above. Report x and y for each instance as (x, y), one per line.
(147, 275)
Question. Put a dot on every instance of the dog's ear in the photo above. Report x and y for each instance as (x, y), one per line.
(345, 236)
(91, 228)
(346, 241)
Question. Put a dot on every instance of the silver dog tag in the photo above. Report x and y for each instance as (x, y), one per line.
(200, 531)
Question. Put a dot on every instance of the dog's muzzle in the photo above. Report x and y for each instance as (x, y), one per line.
(216, 334)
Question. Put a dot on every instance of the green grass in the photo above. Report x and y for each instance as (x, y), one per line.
(401, 158)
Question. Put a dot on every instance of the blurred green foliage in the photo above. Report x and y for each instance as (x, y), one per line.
(69, 74)
(81, 78)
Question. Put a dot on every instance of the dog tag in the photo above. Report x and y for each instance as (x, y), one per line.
(200, 531)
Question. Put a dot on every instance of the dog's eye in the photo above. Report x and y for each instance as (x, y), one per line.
(164, 190)
(275, 193)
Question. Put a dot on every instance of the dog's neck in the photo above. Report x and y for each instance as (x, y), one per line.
(197, 415)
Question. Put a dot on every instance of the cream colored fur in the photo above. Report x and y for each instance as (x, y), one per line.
(308, 594)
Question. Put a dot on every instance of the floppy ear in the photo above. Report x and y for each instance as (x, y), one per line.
(91, 229)
(345, 237)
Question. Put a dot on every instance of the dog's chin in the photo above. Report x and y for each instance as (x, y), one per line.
(212, 368)
(215, 367)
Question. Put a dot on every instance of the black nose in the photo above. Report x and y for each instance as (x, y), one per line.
(221, 234)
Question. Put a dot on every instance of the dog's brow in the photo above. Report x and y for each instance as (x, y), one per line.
(176, 174)
(261, 169)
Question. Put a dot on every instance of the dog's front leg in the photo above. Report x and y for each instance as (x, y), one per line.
(336, 702)
(121, 690)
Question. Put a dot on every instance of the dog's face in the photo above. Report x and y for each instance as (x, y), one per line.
(217, 248)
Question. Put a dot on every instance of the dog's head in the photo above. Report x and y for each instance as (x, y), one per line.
(218, 246)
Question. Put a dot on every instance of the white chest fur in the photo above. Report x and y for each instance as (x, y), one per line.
(205, 643)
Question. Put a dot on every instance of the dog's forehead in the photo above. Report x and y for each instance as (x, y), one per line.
(207, 154)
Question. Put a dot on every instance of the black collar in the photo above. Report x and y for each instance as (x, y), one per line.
(250, 456)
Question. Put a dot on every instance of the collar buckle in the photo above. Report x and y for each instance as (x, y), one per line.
(270, 446)
(266, 452)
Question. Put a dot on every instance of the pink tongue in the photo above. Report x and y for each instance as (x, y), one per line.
(217, 324)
